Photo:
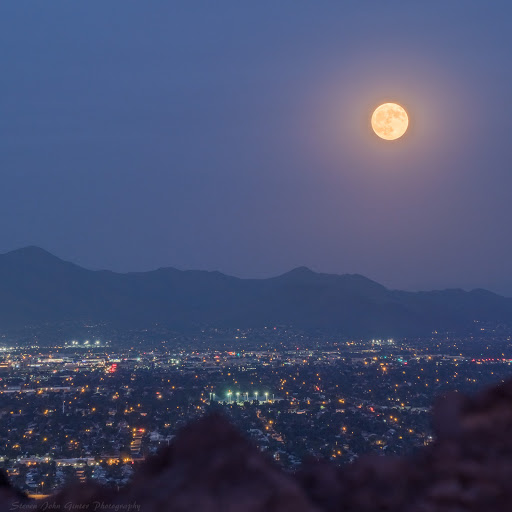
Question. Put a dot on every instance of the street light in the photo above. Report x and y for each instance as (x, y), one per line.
(266, 397)
(237, 396)
(229, 397)
(256, 395)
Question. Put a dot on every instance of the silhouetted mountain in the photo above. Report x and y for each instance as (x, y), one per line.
(38, 287)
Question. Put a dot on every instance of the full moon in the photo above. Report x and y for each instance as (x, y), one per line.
(390, 121)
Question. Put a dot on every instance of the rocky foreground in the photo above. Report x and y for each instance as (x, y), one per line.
(211, 467)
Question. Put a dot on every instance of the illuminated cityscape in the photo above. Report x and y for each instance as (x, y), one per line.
(80, 410)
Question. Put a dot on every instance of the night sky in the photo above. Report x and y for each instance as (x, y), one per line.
(235, 136)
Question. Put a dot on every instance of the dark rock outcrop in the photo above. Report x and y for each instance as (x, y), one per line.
(10, 498)
(210, 467)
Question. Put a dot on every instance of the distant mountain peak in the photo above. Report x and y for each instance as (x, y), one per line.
(30, 249)
(36, 257)
(299, 274)
(298, 271)
(31, 252)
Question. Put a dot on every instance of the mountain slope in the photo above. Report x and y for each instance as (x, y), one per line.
(37, 287)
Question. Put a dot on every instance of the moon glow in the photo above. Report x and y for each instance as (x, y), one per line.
(390, 121)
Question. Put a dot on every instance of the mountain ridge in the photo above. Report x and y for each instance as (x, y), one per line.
(38, 287)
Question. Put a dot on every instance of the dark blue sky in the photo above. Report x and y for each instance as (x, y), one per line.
(234, 136)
